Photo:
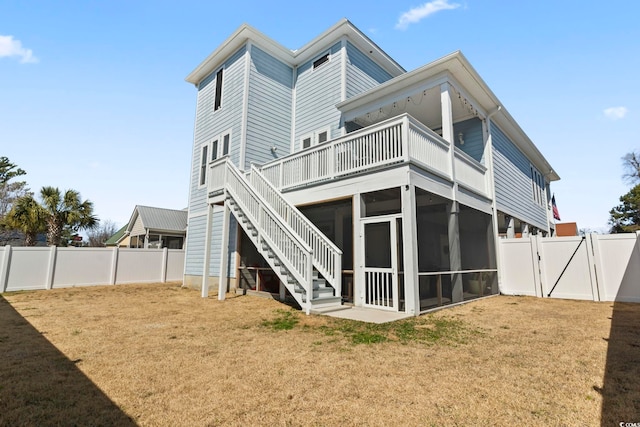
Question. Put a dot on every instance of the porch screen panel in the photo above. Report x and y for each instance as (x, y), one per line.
(478, 255)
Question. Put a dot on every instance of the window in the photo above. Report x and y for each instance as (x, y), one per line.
(322, 60)
(214, 150)
(317, 137)
(220, 145)
(203, 164)
(306, 142)
(323, 136)
(537, 186)
(218, 99)
(225, 144)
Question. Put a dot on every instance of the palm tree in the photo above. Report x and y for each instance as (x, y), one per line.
(27, 216)
(65, 213)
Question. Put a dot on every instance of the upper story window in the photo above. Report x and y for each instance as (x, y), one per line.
(537, 186)
(203, 164)
(317, 137)
(217, 103)
(214, 150)
(322, 60)
(225, 144)
(218, 147)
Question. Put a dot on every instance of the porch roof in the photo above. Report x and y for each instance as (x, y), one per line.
(425, 81)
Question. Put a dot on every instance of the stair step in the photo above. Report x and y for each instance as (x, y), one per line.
(324, 301)
(317, 293)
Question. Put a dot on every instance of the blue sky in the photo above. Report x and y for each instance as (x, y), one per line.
(93, 97)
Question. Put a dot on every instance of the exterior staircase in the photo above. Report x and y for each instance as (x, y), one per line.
(306, 261)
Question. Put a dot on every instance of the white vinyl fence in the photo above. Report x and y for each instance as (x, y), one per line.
(594, 267)
(25, 268)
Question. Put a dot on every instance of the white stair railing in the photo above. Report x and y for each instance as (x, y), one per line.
(293, 253)
(327, 257)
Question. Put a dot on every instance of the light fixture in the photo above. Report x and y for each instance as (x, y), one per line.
(461, 138)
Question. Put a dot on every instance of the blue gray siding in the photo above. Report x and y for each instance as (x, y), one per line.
(269, 108)
(512, 172)
(362, 72)
(317, 93)
(208, 125)
(194, 257)
(472, 135)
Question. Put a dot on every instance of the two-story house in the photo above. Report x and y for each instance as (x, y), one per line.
(332, 174)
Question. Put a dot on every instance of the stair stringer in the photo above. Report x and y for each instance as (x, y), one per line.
(276, 260)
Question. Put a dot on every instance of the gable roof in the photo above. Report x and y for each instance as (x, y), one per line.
(297, 57)
(113, 240)
(159, 219)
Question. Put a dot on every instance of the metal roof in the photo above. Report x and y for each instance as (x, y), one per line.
(160, 218)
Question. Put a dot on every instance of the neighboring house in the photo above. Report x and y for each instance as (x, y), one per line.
(120, 238)
(347, 179)
(151, 227)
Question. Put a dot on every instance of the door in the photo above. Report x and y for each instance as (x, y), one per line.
(381, 263)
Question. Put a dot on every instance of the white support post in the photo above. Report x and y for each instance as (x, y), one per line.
(165, 261)
(358, 253)
(207, 253)
(455, 256)
(224, 254)
(114, 265)
(146, 239)
(404, 134)
(52, 267)
(309, 269)
(447, 130)
(410, 250)
(4, 272)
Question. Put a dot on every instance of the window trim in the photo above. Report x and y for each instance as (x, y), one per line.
(314, 137)
(218, 94)
(322, 59)
(215, 150)
(538, 186)
(326, 130)
(308, 136)
(204, 166)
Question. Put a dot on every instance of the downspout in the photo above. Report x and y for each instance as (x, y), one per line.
(496, 237)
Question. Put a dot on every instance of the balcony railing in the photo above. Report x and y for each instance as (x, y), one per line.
(398, 140)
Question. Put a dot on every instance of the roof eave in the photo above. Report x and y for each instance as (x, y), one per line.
(293, 58)
(344, 27)
(471, 81)
(234, 42)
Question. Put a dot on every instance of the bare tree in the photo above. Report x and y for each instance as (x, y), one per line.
(631, 165)
(99, 235)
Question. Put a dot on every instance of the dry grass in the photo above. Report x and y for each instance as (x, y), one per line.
(161, 355)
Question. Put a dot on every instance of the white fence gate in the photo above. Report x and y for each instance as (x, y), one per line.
(26, 268)
(594, 267)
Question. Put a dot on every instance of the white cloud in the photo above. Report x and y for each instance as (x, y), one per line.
(419, 13)
(616, 113)
(11, 47)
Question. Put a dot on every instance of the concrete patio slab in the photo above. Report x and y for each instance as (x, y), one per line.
(368, 315)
